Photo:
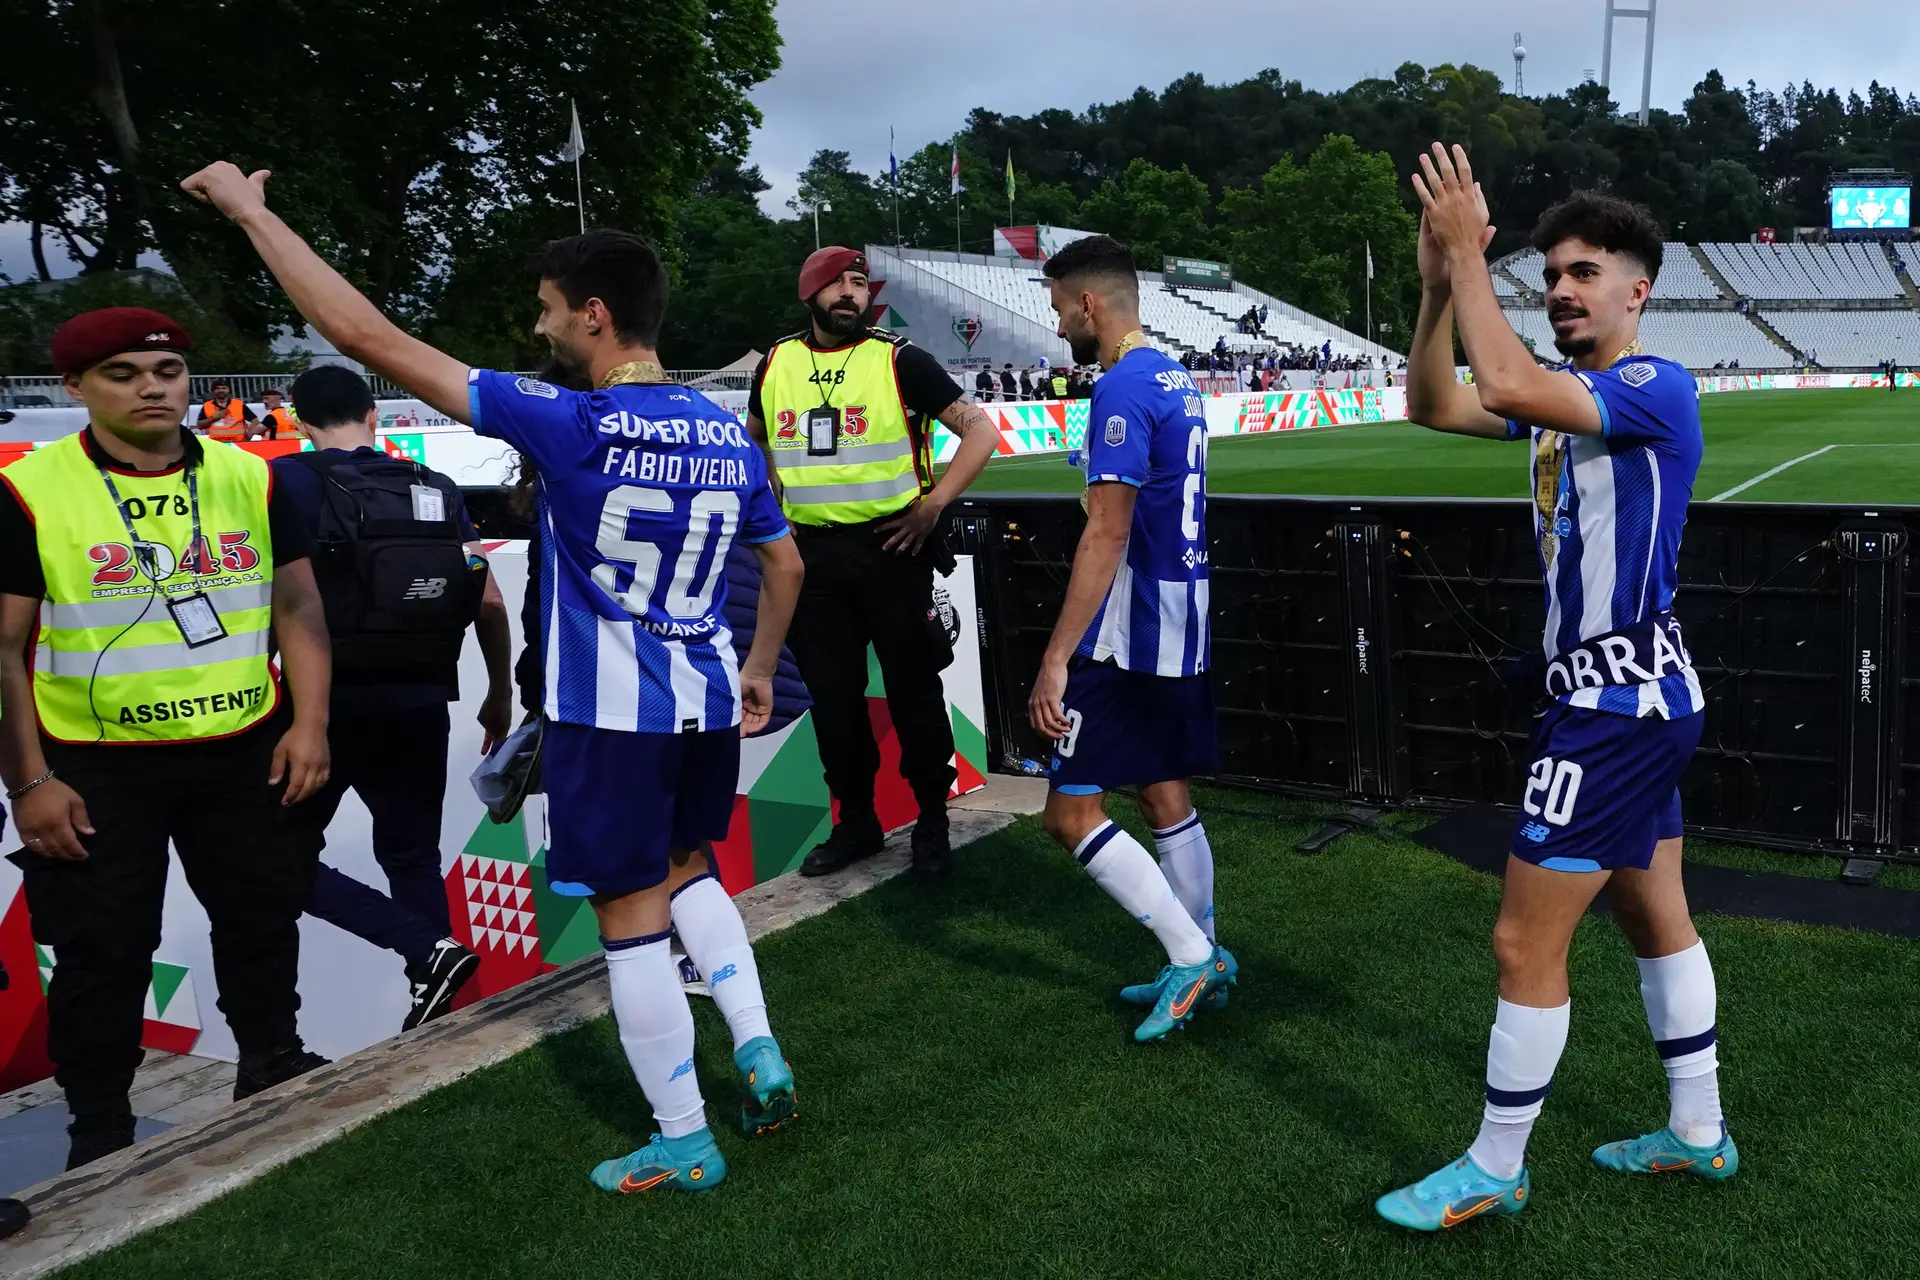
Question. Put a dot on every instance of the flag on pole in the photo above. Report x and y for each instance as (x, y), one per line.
(893, 163)
(1009, 175)
(576, 144)
(956, 169)
(1369, 259)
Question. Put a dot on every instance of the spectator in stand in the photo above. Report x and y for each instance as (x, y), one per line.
(1263, 317)
(1009, 388)
(983, 385)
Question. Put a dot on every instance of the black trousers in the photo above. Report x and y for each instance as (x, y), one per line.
(102, 916)
(397, 764)
(857, 594)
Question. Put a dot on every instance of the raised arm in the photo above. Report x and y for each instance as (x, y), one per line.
(1508, 381)
(970, 423)
(339, 311)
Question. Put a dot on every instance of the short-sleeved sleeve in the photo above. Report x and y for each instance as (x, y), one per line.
(762, 521)
(1119, 434)
(1644, 400)
(20, 572)
(532, 416)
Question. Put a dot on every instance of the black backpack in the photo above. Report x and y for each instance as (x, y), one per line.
(399, 592)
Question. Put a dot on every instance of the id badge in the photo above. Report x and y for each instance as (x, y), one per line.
(823, 431)
(197, 619)
(429, 504)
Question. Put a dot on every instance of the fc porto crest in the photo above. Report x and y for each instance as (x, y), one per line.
(968, 329)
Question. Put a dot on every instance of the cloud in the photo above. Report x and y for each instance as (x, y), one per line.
(852, 67)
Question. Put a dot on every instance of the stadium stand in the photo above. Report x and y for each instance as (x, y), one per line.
(1836, 272)
(1696, 339)
(1840, 339)
(1681, 275)
(1185, 318)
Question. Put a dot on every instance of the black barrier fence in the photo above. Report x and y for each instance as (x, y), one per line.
(1358, 646)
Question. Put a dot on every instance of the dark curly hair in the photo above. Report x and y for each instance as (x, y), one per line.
(1608, 222)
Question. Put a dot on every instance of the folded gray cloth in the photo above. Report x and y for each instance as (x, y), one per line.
(510, 772)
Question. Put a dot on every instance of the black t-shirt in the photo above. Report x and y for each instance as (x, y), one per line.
(20, 573)
(926, 388)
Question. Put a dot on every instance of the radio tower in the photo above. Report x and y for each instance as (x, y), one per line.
(1519, 60)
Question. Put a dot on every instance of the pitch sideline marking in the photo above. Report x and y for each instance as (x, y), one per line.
(1774, 471)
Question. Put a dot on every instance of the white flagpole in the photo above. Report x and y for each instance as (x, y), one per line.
(1370, 336)
(579, 195)
(577, 144)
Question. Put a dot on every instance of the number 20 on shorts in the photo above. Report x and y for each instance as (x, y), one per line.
(1560, 780)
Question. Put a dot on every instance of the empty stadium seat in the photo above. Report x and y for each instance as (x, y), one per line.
(1843, 270)
(1681, 275)
(1843, 339)
(1696, 339)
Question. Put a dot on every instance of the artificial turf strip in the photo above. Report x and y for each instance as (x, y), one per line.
(1747, 434)
(972, 1103)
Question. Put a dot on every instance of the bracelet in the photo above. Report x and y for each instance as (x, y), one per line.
(21, 790)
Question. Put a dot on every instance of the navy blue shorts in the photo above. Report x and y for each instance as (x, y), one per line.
(1131, 728)
(618, 803)
(1602, 788)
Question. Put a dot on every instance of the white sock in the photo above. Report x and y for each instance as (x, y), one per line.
(1521, 1055)
(1187, 861)
(711, 930)
(1681, 1000)
(656, 1030)
(1133, 879)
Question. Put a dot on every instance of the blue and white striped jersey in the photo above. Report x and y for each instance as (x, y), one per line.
(1608, 513)
(642, 491)
(1146, 428)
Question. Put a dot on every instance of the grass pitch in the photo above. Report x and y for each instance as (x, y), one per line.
(972, 1104)
(1871, 443)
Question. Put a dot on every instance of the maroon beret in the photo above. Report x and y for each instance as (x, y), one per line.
(824, 266)
(93, 336)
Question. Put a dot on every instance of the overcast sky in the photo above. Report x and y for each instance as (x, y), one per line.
(851, 68)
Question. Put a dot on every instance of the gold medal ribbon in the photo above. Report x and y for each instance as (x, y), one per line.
(1126, 344)
(633, 372)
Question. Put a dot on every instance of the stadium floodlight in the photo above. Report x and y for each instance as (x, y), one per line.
(1606, 52)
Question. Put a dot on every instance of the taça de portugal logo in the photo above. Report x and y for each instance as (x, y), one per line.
(968, 329)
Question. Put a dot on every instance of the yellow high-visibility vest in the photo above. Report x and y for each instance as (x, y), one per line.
(878, 466)
(110, 664)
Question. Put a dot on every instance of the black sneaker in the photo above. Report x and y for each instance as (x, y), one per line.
(265, 1070)
(932, 848)
(851, 840)
(438, 981)
(13, 1217)
(91, 1138)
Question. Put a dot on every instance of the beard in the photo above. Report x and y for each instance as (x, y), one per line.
(1572, 348)
(1085, 350)
(565, 360)
(836, 321)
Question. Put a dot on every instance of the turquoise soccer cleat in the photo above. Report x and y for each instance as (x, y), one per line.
(1180, 990)
(1447, 1197)
(1146, 994)
(691, 1163)
(1664, 1152)
(770, 1100)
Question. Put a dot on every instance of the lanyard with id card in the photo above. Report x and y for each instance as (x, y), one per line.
(823, 431)
(193, 615)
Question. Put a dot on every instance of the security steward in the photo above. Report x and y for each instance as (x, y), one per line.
(141, 574)
(851, 409)
(278, 423)
(225, 417)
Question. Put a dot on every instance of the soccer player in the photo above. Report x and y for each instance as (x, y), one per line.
(1123, 688)
(643, 486)
(1615, 444)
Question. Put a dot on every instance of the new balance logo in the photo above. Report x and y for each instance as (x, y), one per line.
(1536, 832)
(680, 1070)
(724, 972)
(426, 589)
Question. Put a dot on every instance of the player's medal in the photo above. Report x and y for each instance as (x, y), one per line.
(633, 373)
(1126, 344)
